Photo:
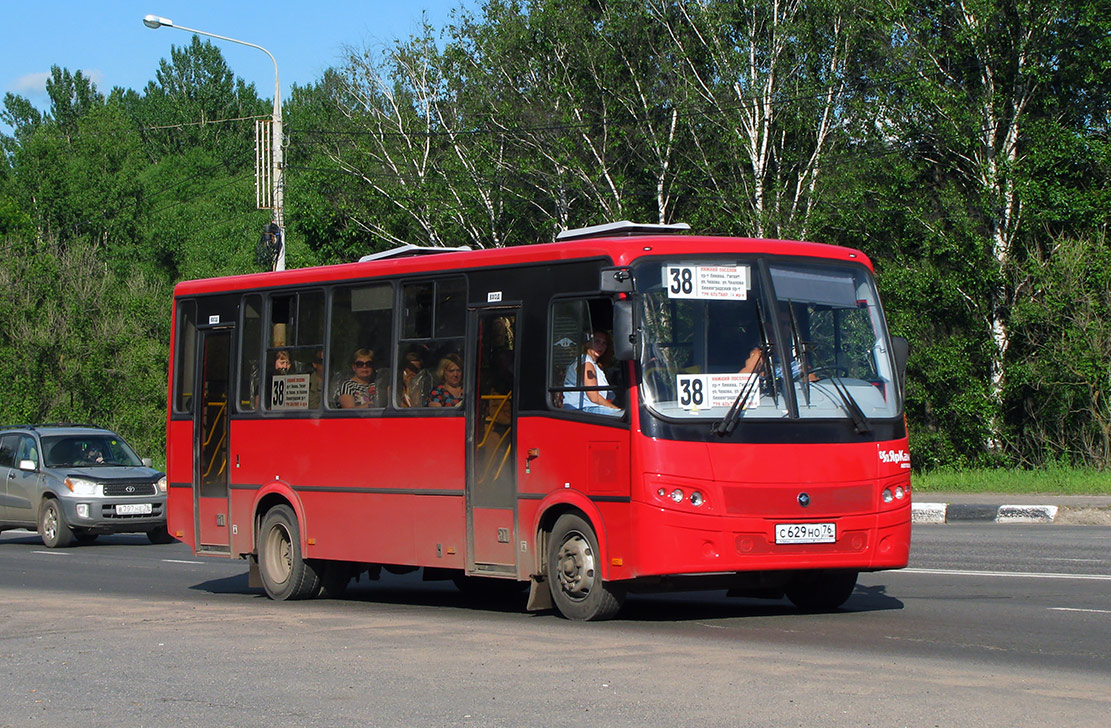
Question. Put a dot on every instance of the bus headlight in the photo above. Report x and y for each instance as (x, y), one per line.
(697, 499)
(887, 496)
(677, 495)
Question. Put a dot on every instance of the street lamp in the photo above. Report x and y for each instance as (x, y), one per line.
(154, 22)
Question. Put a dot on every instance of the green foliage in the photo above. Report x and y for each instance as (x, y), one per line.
(1052, 479)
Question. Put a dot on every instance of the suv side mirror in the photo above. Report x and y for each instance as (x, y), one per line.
(28, 465)
(624, 335)
(148, 462)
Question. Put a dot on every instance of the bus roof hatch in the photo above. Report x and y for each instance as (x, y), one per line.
(409, 250)
(623, 227)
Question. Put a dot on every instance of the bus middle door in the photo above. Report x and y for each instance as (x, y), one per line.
(491, 444)
(210, 448)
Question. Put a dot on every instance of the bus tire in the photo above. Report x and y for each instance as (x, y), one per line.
(821, 591)
(575, 573)
(285, 572)
(53, 529)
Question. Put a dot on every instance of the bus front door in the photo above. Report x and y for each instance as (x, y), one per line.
(210, 449)
(491, 444)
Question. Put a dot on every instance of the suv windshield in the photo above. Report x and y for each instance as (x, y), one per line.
(812, 345)
(87, 450)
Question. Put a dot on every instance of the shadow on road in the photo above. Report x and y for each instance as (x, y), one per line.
(410, 590)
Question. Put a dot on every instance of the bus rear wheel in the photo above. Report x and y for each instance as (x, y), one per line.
(575, 572)
(285, 572)
(821, 591)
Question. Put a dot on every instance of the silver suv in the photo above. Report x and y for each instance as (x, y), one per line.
(75, 482)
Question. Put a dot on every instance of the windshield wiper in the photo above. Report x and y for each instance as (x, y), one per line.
(860, 420)
(725, 425)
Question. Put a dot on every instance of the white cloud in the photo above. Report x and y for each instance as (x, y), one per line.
(33, 85)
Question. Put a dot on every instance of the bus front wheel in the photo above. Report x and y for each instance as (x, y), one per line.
(821, 591)
(285, 572)
(575, 572)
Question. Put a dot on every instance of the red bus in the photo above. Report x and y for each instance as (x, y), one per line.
(627, 409)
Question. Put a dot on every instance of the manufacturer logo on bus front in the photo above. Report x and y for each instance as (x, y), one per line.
(900, 457)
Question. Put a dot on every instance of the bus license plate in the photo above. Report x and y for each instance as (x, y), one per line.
(134, 509)
(806, 533)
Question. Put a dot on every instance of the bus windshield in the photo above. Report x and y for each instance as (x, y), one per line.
(763, 339)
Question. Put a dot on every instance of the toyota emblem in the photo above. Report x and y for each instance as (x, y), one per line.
(804, 499)
(131, 489)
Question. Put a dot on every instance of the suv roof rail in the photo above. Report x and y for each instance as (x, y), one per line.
(408, 250)
(53, 424)
(622, 227)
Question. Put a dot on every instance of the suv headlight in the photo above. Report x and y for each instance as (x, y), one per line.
(80, 486)
(161, 484)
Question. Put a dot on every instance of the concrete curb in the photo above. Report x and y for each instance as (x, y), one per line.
(956, 512)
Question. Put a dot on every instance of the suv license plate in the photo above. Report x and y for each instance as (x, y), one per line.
(806, 533)
(134, 509)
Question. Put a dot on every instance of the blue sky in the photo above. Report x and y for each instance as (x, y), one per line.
(106, 39)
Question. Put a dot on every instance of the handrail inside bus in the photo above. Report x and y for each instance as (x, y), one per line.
(491, 420)
(221, 409)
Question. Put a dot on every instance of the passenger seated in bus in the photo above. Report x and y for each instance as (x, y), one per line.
(416, 381)
(359, 392)
(316, 380)
(449, 392)
(282, 363)
(589, 371)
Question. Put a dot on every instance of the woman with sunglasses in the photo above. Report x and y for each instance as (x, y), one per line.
(358, 392)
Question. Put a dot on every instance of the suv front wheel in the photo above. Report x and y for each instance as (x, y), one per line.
(53, 529)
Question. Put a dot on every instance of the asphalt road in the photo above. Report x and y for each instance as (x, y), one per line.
(991, 625)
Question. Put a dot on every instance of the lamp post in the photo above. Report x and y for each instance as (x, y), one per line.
(154, 22)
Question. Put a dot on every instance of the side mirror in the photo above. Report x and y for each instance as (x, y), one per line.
(616, 280)
(624, 335)
(28, 465)
(148, 462)
(900, 347)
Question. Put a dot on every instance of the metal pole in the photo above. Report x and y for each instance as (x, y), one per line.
(276, 180)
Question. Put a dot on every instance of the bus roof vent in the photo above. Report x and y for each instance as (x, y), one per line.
(624, 227)
(409, 250)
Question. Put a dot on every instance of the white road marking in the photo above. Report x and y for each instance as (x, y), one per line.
(1011, 574)
(180, 561)
(53, 553)
(1074, 609)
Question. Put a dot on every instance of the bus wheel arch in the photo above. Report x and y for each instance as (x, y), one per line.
(573, 567)
(285, 572)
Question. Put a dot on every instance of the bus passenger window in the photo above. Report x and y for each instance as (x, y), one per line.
(250, 353)
(358, 367)
(295, 339)
(186, 342)
(431, 345)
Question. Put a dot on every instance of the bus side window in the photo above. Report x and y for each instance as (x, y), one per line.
(361, 321)
(250, 353)
(186, 342)
(433, 321)
(295, 340)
